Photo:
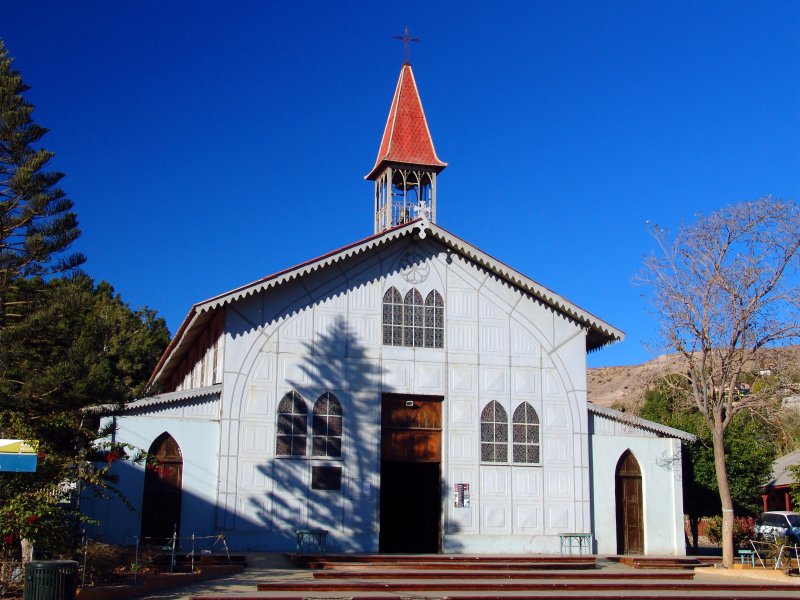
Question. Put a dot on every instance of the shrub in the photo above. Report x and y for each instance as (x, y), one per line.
(743, 531)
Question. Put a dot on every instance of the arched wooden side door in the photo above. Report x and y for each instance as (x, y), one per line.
(161, 502)
(630, 517)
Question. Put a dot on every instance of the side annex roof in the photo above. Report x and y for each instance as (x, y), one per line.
(639, 423)
(599, 333)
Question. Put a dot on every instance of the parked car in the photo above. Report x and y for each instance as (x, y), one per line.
(779, 523)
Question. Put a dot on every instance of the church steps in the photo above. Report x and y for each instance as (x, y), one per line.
(463, 567)
(437, 558)
(527, 574)
(469, 585)
(609, 594)
(453, 562)
(647, 562)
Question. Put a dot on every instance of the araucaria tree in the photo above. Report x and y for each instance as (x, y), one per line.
(37, 225)
(722, 289)
(66, 343)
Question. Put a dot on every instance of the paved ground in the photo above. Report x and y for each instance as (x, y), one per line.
(260, 567)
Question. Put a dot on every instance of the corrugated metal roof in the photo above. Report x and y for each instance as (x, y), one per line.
(209, 392)
(780, 470)
(638, 422)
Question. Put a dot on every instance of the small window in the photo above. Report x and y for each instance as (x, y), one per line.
(494, 433)
(525, 434)
(326, 478)
(327, 427)
(292, 425)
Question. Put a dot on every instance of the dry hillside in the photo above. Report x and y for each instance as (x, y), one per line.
(624, 387)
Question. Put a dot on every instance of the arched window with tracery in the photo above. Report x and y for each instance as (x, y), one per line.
(413, 319)
(494, 433)
(525, 435)
(434, 320)
(392, 318)
(326, 428)
(292, 425)
(411, 322)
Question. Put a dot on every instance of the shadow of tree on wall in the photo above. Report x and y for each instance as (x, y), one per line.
(334, 362)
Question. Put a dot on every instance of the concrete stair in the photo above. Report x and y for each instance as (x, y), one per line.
(478, 577)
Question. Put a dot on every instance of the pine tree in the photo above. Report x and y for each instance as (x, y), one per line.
(37, 225)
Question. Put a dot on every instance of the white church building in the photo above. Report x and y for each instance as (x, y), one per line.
(404, 393)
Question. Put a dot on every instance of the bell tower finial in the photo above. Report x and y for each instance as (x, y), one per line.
(407, 41)
(406, 168)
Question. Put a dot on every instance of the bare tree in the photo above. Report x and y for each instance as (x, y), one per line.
(722, 289)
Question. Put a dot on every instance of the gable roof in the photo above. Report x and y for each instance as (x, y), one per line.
(406, 137)
(599, 333)
(780, 470)
(639, 423)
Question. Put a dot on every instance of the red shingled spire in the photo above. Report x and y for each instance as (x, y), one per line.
(406, 138)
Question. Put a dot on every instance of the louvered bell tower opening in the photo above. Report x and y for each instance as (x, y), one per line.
(400, 194)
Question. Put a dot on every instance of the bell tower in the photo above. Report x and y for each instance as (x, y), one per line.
(406, 168)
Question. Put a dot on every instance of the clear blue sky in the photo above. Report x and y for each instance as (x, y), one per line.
(209, 144)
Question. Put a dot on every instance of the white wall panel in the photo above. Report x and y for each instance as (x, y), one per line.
(462, 304)
(463, 336)
(397, 376)
(527, 518)
(254, 439)
(527, 483)
(463, 379)
(429, 379)
(559, 518)
(557, 450)
(253, 513)
(494, 381)
(260, 402)
(462, 412)
(558, 484)
(463, 446)
(254, 475)
(525, 383)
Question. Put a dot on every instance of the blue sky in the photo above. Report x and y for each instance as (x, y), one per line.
(209, 144)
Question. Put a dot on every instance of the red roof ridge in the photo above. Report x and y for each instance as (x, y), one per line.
(406, 136)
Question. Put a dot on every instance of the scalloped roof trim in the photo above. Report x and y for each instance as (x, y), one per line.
(639, 423)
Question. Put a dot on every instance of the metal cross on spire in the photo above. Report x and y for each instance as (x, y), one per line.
(407, 41)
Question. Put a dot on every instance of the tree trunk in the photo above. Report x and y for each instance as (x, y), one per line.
(694, 529)
(27, 550)
(720, 466)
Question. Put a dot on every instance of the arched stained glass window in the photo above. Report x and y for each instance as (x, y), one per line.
(409, 321)
(494, 433)
(434, 320)
(413, 319)
(326, 428)
(292, 425)
(525, 434)
(392, 318)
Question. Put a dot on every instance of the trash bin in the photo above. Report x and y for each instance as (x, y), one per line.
(51, 580)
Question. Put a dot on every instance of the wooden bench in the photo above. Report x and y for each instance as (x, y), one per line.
(311, 540)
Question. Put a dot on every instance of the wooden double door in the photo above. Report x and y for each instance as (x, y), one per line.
(411, 480)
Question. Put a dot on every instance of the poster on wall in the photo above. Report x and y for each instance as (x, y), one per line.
(461, 495)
